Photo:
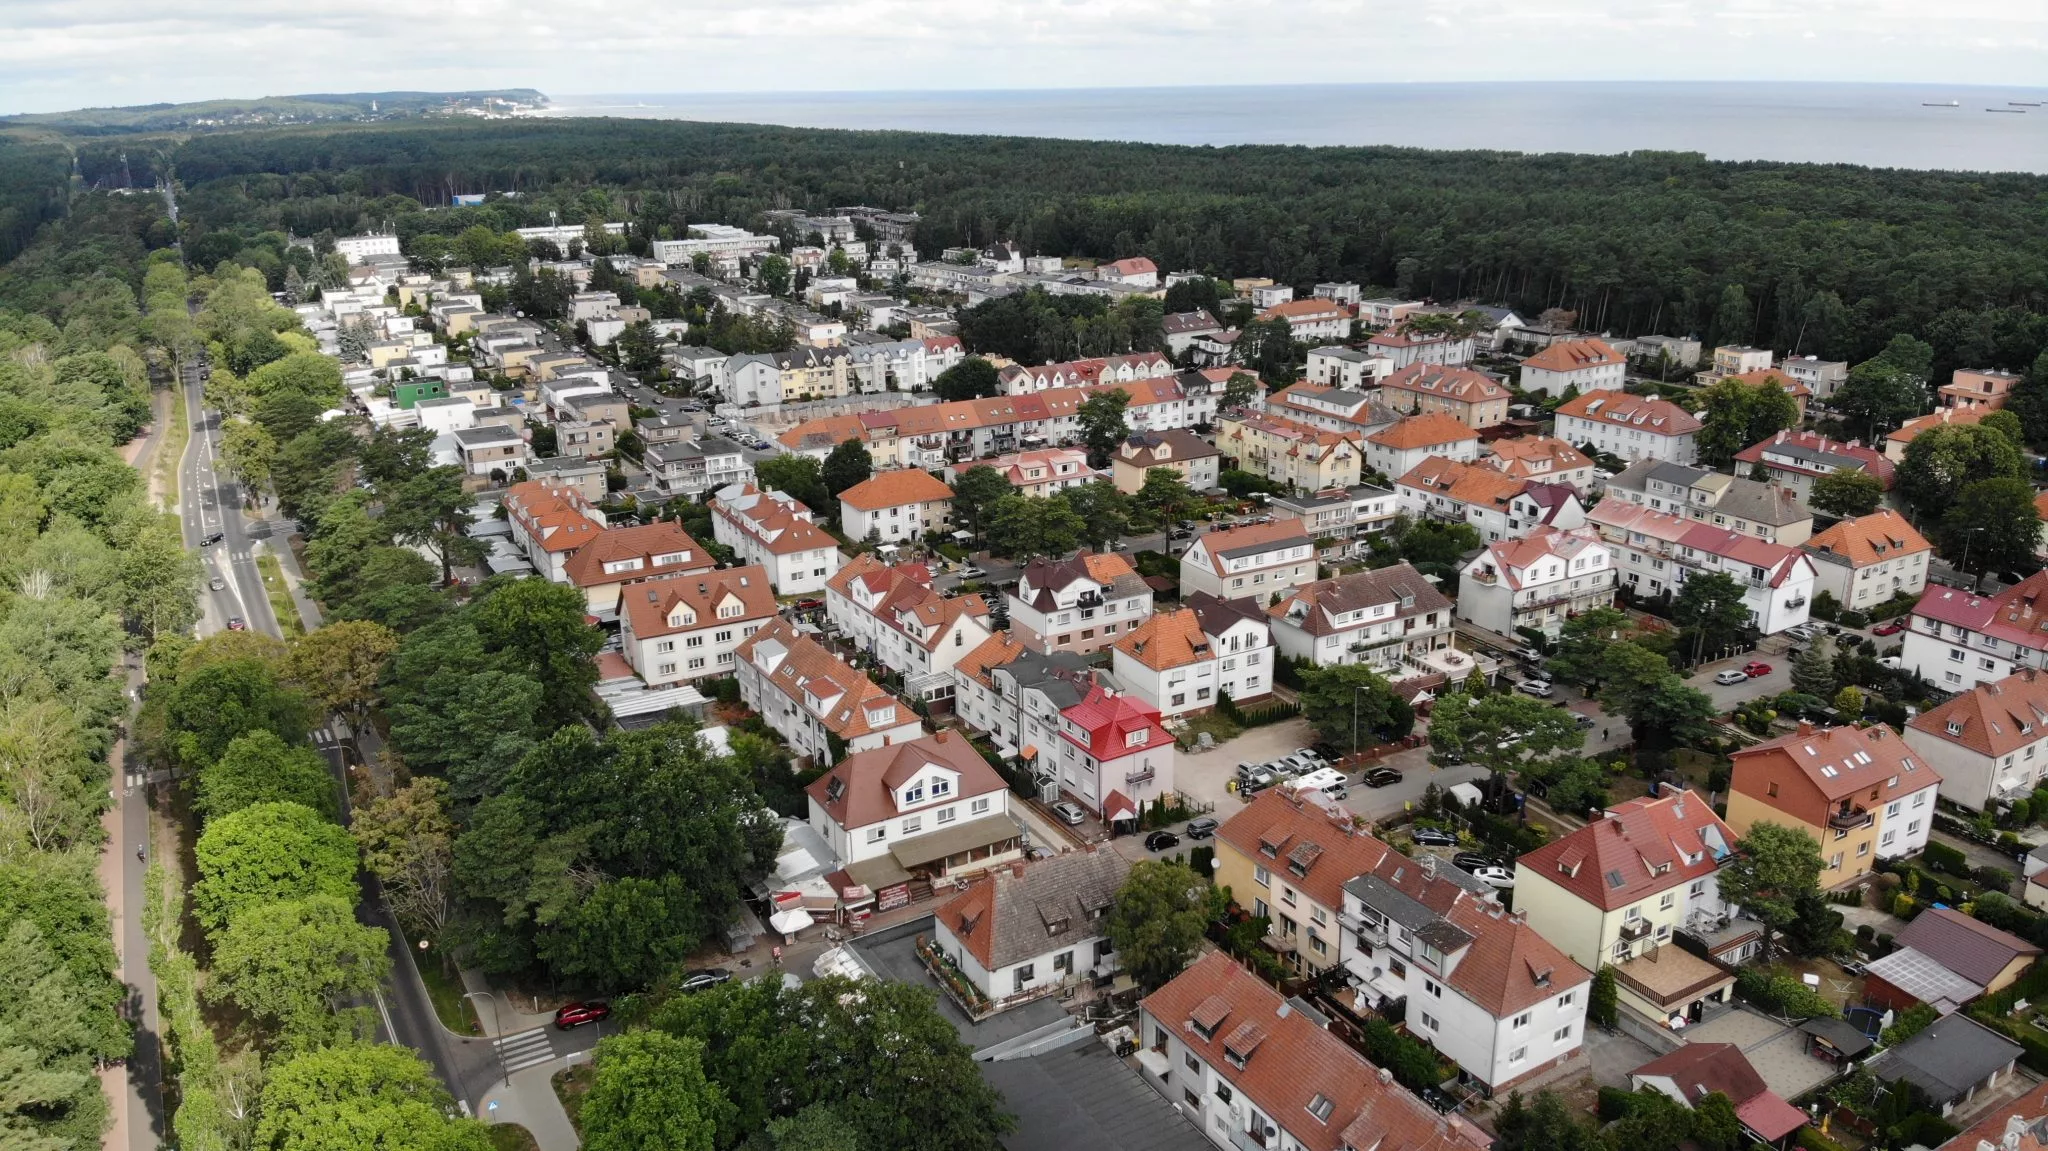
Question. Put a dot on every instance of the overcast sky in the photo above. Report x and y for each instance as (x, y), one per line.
(60, 54)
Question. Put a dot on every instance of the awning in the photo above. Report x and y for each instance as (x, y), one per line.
(1030, 751)
(922, 849)
(791, 921)
(877, 873)
(1118, 806)
(1770, 1117)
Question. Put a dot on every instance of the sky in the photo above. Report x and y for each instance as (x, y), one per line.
(62, 54)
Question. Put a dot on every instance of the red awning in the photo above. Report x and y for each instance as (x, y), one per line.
(1770, 1117)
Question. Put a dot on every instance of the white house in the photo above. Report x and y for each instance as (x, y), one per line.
(1406, 349)
(896, 506)
(1656, 552)
(620, 557)
(1040, 472)
(1588, 365)
(490, 448)
(1079, 605)
(1347, 368)
(774, 530)
(1543, 458)
(677, 630)
(1181, 660)
(1989, 743)
(1744, 506)
(1630, 427)
(1311, 320)
(1112, 755)
(1536, 582)
(1498, 506)
(894, 614)
(1258, 560)
(1957, 640)
(1865, 561)
(812, 699)
(1383, 619)
(355, 248)
(1397, 450)
(549, 523)
(929, 807)
(1029, 930)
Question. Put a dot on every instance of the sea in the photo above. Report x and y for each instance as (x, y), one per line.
(1951, 127)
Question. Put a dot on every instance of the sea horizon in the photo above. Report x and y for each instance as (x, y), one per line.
(1868, 124)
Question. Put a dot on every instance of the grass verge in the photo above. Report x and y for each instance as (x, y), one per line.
(512, 1137)
(281, 605)
(457, 1013)
(170, 453)
(570, 1087)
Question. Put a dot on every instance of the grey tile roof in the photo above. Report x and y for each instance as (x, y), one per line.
(1952, 1055)
(1085, 1099)
(1053, 903)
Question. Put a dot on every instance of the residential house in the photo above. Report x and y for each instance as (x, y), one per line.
(1389, 619)
(585, 477)
(1286, 452)
(1990, 743)
(1404, 349)
(1951, 1060)
(1734, 360)
(1332, 409)
(1897, 442)
(2020, 1125)
(1257, 560)
(690, 467)
(1473, 399)
(1080, 605)
(1112, 756)
(1028, 930)
(1312, 321)
(1035, 473)
(1539, 458)
(894, 614)
(975, 699)
(1986, 388)
(1497, 506)
(1397, 450)
(1822, 378)
(584, 439)
(1342, 521)
(821, 707)
(1182, 329)
(1777, 581)
(776, 531)
(1137, 271)
(928, 808)
(549, 523)
(802, 373)
(1946, 960)
(1194, 458)
(1630, 427)
(1697, 1070)
(1183, 659)
(906, 504)
(1587, 365)
(1286, 857)
(1536, 582)
(1748, 507)
(1346, 368)
(1871, 559)
(1019, 380)
(676, 630)
(1958, 640)
(1796, 459)
(1862, 793)
(619, 558)
(1676, 351)
(1383, 312)
(1342, 292)
(1031, 692)
(1253, 1070)
(490, 449)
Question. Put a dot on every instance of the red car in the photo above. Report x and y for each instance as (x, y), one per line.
(809, 604)
(577, 1014)
(1755, 668)
(1892, 628)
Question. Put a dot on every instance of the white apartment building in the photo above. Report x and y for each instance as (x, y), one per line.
(1822, 377)
(1258, 560)
(1957, 640)
(1395, 451)
(776, 531)
(812, 699)
(1989, 743)
(1871, 559)
(1589, 365)
(1744, 506)
(356, 248)
(1656, 552)
(893, 812)
(1346, 368)
(1536, 582)
(1062, 905)
(1630, 427)
(1498, 506)
(676, 630)
(1079, 605)
(1384, 619)
(1406, 349)
(721, 242)
(894, 614)
(1112, 756)
(896, 506)
(1182, 660)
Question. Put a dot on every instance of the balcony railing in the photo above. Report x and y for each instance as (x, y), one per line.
(1635, 929)
(1132, 779)
(1850, 820)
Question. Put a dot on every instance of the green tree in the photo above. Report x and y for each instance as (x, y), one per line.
(1104, 511)
(971, 379)
(258, 767)
(1735, 317)
(432, 508)
(802, 478)
(1944, 459)
(1545, 1123)
(2029, 401)
(1582, 645)
(1847, 494)
(1603, 1000)
(1994, 524)
(472, 728)
(1103, 426)
(1164, 497)
(975, 493)
(408, 841)
(650, 1094)
(2007, 423)
(1813, 673)
(1024, 526)
(1240, 389)
(209, 707)
(267, 853)
(774, 275)
(818, 1127)
(538, 629)
(1158, 920)
(1740, 413)
(1353, 706)
(848, 465)
(249, 452)
(354, 1096)
(338, 665)
(1711, 606)
(293, 965)
(1771, 867)
(1503, 733)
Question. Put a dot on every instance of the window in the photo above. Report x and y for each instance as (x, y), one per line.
(1670, 897)
(1261, 876)
(978, 807)
(877, 833)
(1835, 861)
(665, 646)
(945, 816)
(1025, 975)
(1287, 895)
(725, 636)
(693, 641)
(1562, 1033)
(1193, 1100)
(1567, 999)
(914, 794)
(1517, 1055)
(1260, 910)
(1428, 1021)
(696, 663)
(1862, 849)
(1064, 961)
(1190, 1062)
(1521, 1021)
(941, 787)
(913, 825)
(1435, 989)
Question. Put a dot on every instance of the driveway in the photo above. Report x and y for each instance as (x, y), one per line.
(1611, 1055)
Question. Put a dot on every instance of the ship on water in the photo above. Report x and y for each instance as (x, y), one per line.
(1941, 103)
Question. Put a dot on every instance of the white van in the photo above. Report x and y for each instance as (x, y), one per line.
(1326, 780)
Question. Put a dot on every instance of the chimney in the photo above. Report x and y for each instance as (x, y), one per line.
(1805, 728)
(2015, 1126)
(1781, 437)
(939, 736)
(1386, 1077)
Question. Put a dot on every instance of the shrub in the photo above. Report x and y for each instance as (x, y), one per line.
(1782, 994)
(1942, 857)
(1811, 1139)
(1993, 878)
(1614, 1103)
(1854, 618)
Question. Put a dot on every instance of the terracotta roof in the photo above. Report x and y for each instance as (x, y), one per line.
(895, 489)
(995, 651)
(1022, 910)
(1292, 1064)
(1309, 309)
(1882, 535)
(823, 433)
(1647, 414)
(1992, 719)
(1623, 518)
(1572, 355)
(1314, 607)
(1461, 384)
(1814, 454)
(2017, 614)
(642, 542)
(1111, 719)
(648, 607)
(1961, 417)
(844, 701)
(1701, 1069)
(1461, 482)
(559, 517)
(1965, 945)
(1133, 266)
(1276, 818)
(1778, 561)
(1640, 848)
(1219, 546)
(778, 520)
(1530, 457)
(1843, 761)
(1306, 439)
(1167, 639)
(1430, 429)
(2026, 1118)
(903, 593)
(857, 792)
(1512, 558)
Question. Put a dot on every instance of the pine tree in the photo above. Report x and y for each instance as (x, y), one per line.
(1813, 673)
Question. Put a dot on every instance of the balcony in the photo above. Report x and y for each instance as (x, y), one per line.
(1850, 820)
(1133, 779)
(1635, 929)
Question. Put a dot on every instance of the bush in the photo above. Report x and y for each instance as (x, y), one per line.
(1614, 1103)
(1782, 994)
(1854, 618)
(1811, 1139)
(1993, 878)
(1942, 857)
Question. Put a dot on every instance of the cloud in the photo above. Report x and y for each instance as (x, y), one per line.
(71, 53)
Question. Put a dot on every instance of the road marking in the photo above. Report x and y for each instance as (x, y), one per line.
(524, 1049)
(386, 1013)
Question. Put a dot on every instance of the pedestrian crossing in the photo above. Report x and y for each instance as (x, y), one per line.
(524, 1049)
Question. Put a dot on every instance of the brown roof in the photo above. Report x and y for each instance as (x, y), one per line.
(1882, 535)
(1961, 417)
(647, 607)
(1640, 848)
(1162, 448)
(642, 542)
(1465, 483)
(1167, 639)
(1426, 430)
(1842, 761)
(1262, 536)
(1302, 309)
(1292, 1064)
(1025, 909)
(1992, 719)
(1571, 355)
(895, 489)
(1312, 607)
(1285, 822)
(845, 701)
(997, 650)
(2031, 1110)
(778, 520)
(905, 593)
(1461, 384)
(857, 792)
(1529, 457)
(559, 517)
(1965, 945)
(1701, 1069)
(1646, 413)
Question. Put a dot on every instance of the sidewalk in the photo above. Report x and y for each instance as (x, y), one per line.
(530, 1100)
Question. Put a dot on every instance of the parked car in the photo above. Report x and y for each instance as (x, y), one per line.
(1381, 777)
(1730, 676)
(1180, 534)
(1069, 814)
(1202, 828)
(1494, 876)
(705, 977)
(1583, 720)
(1311, 756)
(1161, 841)
(1889, 627)
(216, 583)
(1472, 861)
(1755, 668)
(1537, 687)
(810, 604)
(1336, 793)
(1431, 837)
(1801, 632)
(211, 539)
(570, 1015)
(971, 572)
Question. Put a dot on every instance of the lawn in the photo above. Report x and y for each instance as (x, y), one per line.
(457, 1014)
(281, 604)
(571, 1085)
(170, 453)
(511, 1137)
(1219, 729)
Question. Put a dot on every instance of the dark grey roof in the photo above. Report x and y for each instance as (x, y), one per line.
(1411, 913)
(1843, 1035)
(486, 434)
(1761, 503)
(1954, 1054)
(1085, 1099)
(1052, 904)
(1215, 614)
(1059, 677)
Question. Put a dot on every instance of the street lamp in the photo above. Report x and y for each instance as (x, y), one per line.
(503, 1067)
(1968, 539)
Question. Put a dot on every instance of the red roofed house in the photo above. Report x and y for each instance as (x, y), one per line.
(927, 808)
(1588, 365)
(687, 627)
(1027, 930)
(1404, 348)
(1537, 582)
(1258, 560)
(1395, 451)
(894, 614)
(1990, 743)
(549, 522)
(1697, 1070)
(621, 557)
(1797, 459)
(1184, 659)
(1630, 427)
(774, 530)
(1475, 400)
(1865, 561)
(812, 699)
(1958, 640)
(1862, 793)
(894, 506)
(1040, 472)
(1137, 271)
(1254, 1072)
(1543, 458)
(1113, 757)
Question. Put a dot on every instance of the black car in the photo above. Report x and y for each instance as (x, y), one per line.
(1471, 861)
(1431, 837)
(705, 977)
(1161, 840)
(1380, 777)
(210, 540)
(1202, 828)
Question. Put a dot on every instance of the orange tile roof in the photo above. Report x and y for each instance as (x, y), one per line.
(905, 590)
(1278, 533)
(1302, 309)
(647, 606)
(895, 489)
(825, 432)
(1571, 355)
(1430, 429)
(1992, 719)
(1882, 535)
(1465, 483)
(1961, 417)
(782, 524)
(845, 701)
(863, 793)
(1460, 384)
(642, 542)
(1167, 639)
(1653, 416)
(1638, 849)
(559, 517)
(997, 650)
(1841, 761)
(1106, 567)
(1278, 818)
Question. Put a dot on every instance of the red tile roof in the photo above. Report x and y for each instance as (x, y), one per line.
(1647, 414)
(642, 542)
(1882, 535)
(1430, 429)
(1117, 725)
(1460, 384)
(895, 489)
(1849, 455)
(1571, 355)
(1640, 848)
(1842, 761)
(1992, 719)
(863, 779)
(647, 606)
(844, 701)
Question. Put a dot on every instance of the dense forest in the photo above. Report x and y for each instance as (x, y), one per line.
(1828, 259)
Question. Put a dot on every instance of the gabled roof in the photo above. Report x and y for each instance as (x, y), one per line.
(1281, 820)
(845, 701)
(1992, 719)
(1168, 639)
(1960, 417)
(1778, 562)
(1843, 761)
(1647, 414)
(998, 649)
(1638, 849)
(647, 606)
(895, 489)
(1164, 448)
(556, 515)
(778, 520)
(2019, 614)
(1430, 429)
(1022, 910)
(1313, 308)
(1811, 453)
(1571, 355)
(1314, 607)
(1965, 945)
(642, 542)
(1512, 558)
(856, 792)
(903, 593)
(1460, 384)
(1532, 457)
(1882, 535)
(1462, 482)
(1249, 540)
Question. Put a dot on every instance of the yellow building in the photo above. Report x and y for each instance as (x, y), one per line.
(1287, 452)
(1288, 861)
(1860, 792)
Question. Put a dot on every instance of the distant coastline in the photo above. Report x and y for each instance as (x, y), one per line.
(1876, 125)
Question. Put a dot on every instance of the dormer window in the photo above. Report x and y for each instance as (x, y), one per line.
(1137, 738)
(1955, 727)
(941, 787)
(914, 794)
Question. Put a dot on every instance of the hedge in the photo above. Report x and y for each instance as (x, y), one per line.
(1942, 857)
